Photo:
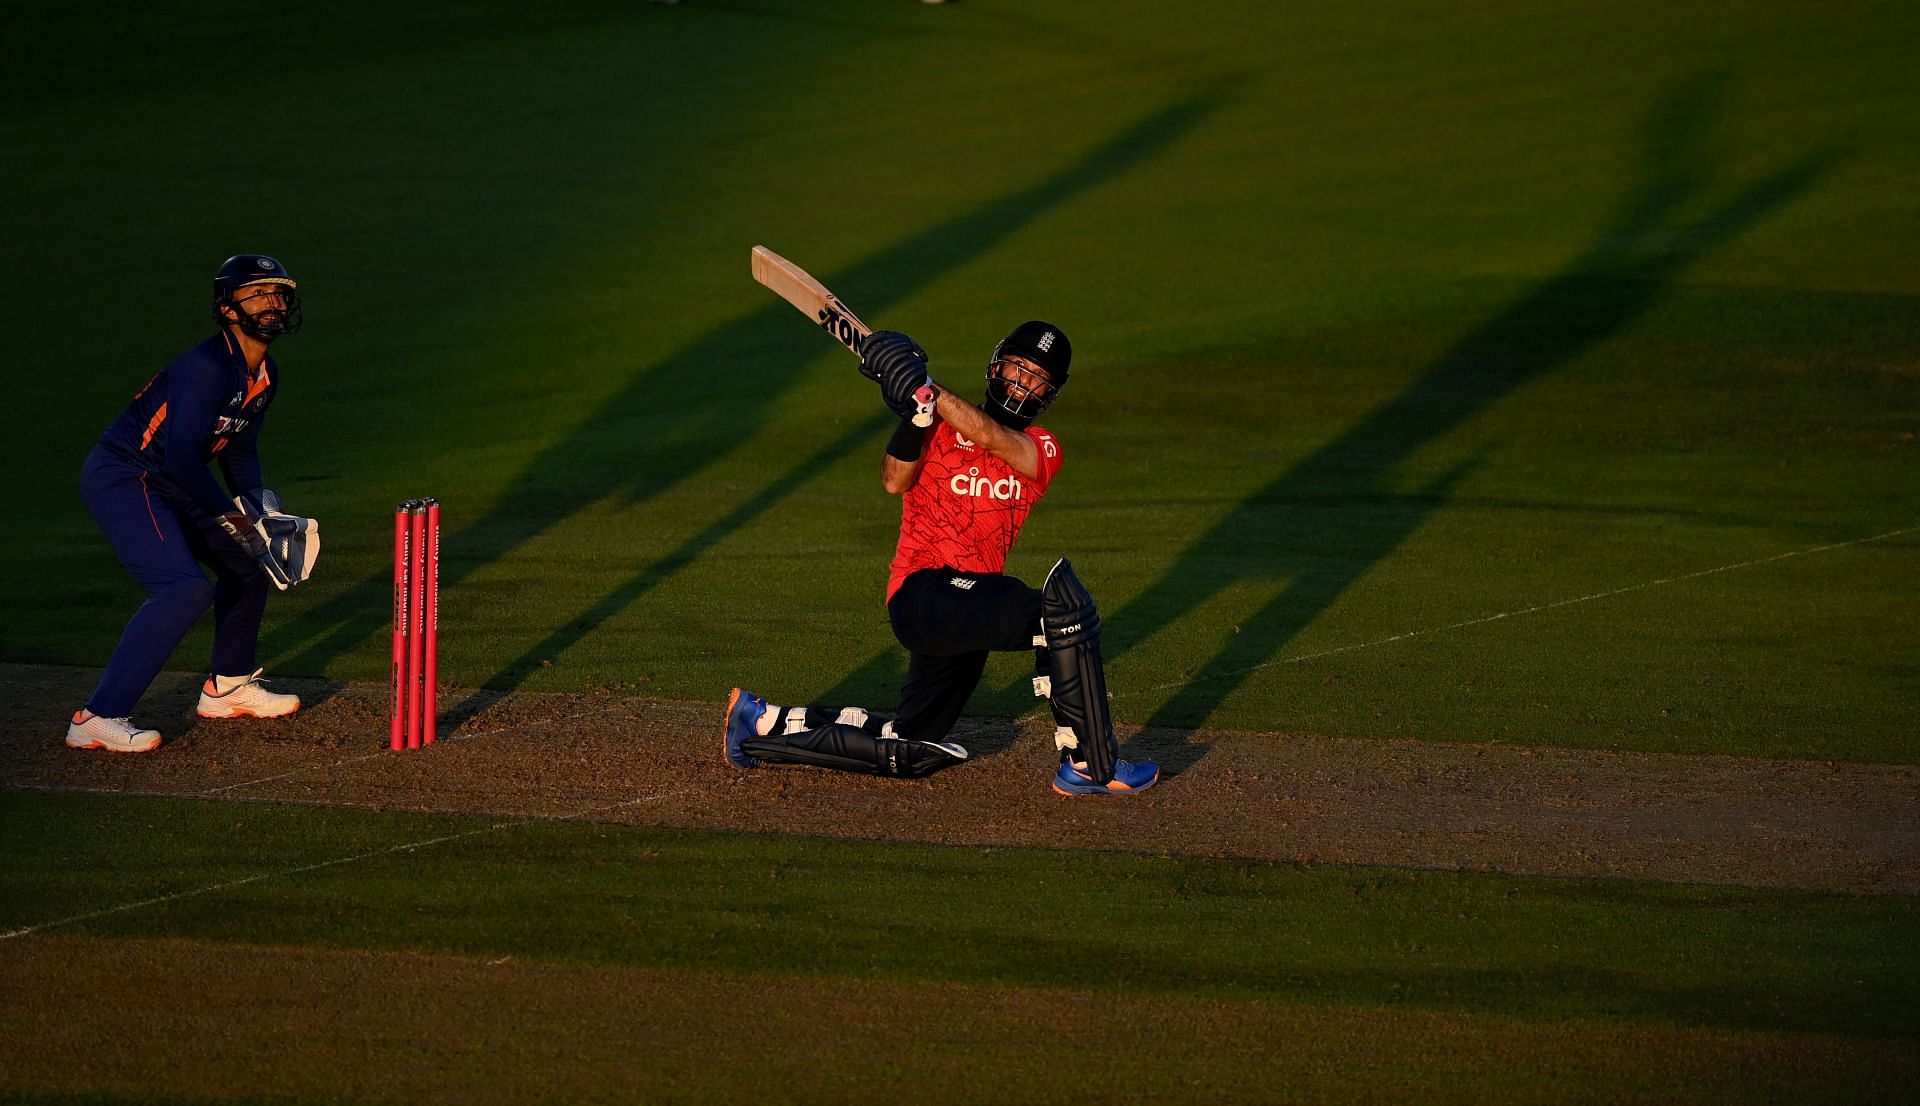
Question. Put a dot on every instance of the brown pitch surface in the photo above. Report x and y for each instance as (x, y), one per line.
(1279, 796)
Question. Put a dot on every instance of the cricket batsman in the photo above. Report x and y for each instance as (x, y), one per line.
(148, 486)
(966, 485)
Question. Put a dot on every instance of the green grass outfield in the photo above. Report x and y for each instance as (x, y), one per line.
(1605, 954)
(1542, 373)
(1387, 320)
(1539, 948)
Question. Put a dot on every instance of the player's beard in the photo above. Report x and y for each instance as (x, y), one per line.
(1005, 417)
(270, 324)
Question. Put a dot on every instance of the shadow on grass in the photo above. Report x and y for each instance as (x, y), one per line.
(1317, 528)
(676, 416)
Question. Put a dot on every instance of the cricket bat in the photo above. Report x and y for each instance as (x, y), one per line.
(799, 288)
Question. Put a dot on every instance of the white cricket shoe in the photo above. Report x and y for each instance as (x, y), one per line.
(243, 697)
(90, 731)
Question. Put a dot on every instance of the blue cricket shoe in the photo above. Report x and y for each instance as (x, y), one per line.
(743, 713)
(1128, 777)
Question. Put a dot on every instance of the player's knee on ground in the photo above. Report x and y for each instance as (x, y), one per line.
(850, 748)
(795, 720)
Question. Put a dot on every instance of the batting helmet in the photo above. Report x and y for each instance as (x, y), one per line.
(1015, 396)
(243, 271)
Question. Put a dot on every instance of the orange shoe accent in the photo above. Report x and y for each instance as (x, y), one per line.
(242, 712)
(1113, 787)
(81, 715)
(726, 728)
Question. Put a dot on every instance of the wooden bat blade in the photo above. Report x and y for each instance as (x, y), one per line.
(797, 287)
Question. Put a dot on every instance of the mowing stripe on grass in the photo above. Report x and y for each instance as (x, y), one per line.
(410, 846)
(1517, 613)
(775, 906)
(290, 1025)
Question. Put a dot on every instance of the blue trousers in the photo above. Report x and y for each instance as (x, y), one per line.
(162, 544)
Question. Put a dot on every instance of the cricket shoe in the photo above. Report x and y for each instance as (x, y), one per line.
(90, 731)
(243, 697)
(1128, 777)
(744, 709)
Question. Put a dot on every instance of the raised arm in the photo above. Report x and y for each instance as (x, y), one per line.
(898, 364)
(971, 423)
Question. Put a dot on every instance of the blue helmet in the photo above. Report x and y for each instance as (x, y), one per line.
(246, 270)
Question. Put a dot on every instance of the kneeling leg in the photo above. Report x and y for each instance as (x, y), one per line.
(848, 740)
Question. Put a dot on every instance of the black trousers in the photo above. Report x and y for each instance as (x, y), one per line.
(949, 621)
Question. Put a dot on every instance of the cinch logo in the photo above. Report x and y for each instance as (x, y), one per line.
(972, 483)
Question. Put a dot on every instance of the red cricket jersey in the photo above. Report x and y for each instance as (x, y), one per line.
(966, 506)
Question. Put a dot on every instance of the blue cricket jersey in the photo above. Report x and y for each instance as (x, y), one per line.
(202, 406)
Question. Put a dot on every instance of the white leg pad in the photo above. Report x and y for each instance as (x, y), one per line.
(1043, 687)
(1064, 738)
(796, 720)
(852, 716)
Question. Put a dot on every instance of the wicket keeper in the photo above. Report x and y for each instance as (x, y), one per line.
(966, 485)
(148, 487)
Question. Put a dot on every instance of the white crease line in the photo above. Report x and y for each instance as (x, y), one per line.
(388, 752)
(408, 847)
(1518, 613)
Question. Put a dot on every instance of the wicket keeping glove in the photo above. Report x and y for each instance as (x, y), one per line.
(239, 526)
(285, 545)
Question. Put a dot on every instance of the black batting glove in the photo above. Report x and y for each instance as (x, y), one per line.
(898, 364)
(887, 351)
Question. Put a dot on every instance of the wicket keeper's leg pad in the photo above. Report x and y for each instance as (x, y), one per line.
(847, 748)
(1070, 622)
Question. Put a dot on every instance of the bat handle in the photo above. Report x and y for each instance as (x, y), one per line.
(923, 400)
